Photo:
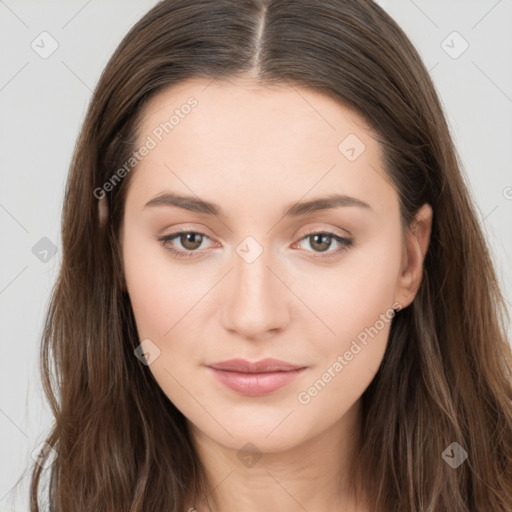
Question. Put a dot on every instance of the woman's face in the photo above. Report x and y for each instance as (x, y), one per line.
(263, 275)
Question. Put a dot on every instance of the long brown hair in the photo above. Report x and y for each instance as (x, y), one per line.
(447, 373)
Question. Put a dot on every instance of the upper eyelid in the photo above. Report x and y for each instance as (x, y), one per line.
(317, 229)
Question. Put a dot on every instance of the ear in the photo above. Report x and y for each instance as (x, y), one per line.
(103, 210)
(103, 214)
(415, 247)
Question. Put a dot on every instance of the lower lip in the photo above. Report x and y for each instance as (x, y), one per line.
(256, 384)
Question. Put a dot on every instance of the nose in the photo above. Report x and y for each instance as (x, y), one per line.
(258, 302)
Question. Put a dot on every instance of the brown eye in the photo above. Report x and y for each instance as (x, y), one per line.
(184, 243)
(320, 241)
(191, 240)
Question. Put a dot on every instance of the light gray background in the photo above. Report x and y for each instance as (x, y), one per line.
(42, 105)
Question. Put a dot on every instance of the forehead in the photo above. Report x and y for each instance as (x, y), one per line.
(256, 142)
(242, 114)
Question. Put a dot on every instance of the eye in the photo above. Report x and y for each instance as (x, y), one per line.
(321, 241)
(191, 241)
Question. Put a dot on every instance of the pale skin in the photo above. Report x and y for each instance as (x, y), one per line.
(255, 151)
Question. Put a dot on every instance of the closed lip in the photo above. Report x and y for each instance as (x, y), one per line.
(262, 366)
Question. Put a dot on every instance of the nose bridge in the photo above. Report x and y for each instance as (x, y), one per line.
(251, 269)
(256, 303)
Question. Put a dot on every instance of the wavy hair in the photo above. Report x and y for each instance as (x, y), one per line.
(447, 372)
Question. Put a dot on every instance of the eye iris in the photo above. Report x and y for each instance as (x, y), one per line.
(193, 238)
(321, 245)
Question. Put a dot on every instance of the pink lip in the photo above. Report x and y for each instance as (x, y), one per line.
(255, 378)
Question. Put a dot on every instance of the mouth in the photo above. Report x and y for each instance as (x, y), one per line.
(255, 378)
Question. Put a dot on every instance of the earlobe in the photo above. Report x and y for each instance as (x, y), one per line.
(415, 249)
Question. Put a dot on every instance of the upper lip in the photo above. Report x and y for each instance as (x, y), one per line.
(262, 366)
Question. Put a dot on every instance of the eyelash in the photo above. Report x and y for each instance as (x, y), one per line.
(345, 244)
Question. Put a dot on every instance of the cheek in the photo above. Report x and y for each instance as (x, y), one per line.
(161, 299)
(350, 297)
(150, 295)
(355, 302)
(159, 293)
(358, 308)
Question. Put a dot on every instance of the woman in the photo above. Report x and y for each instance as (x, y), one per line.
(275, 293)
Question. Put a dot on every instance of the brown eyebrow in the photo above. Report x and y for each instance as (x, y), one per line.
(195, 204)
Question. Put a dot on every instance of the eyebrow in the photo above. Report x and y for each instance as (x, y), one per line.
(195, 204)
